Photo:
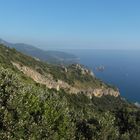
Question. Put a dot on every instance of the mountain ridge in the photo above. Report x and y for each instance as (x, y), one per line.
(54, 57)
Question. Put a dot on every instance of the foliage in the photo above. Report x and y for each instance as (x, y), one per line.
(73, 76)
(31, 111)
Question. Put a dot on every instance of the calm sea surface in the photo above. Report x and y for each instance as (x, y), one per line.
(122, 69)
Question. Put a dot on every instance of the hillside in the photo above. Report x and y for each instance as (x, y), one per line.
(41, 101)
(74, 78)
(54, 57)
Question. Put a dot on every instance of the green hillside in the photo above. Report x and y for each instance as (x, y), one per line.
(73, 76)
(31, 111)
(53, 57)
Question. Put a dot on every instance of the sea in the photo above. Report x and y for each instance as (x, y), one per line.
(121, 69)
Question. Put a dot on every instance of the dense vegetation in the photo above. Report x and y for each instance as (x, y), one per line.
(31, 111)
(72, 76)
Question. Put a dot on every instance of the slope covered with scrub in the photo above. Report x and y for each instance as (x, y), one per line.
(31, 110)
(73, 78)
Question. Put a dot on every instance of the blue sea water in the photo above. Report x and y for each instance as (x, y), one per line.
(122, 69)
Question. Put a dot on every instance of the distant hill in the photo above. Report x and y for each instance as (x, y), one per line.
(54, 57)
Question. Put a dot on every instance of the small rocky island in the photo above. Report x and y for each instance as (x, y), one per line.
(100, 68)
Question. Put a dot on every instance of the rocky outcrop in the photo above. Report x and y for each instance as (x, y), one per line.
(137, 104)
(102, 92)
(83, 70)
(37, 77)
(51, 83)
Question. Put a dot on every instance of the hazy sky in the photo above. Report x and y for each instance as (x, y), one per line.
(72, 23)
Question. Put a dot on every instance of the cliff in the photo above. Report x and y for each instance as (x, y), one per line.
(74, 78)
(59, 84)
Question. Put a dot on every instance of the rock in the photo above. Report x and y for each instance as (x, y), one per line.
(137, 104)
(51, 83)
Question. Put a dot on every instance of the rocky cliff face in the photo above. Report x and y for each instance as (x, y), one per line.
(102, 92)
(83, 70)
(51, 83)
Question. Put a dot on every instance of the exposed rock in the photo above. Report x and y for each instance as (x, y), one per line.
(103, 91)
(37, 59)
(137, 104)
(83, 70)
(50, 83)
(65, 69)
(100, 68)
(45, 80)
(92, 74)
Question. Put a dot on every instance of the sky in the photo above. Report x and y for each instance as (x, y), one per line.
(72, 24)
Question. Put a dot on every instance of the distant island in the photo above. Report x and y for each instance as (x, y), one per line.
(100, 68)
